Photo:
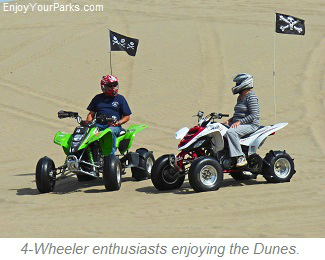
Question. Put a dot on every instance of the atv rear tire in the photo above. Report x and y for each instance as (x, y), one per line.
(162, 175)
(146, 161)
(205, 174)
(112, 172)
(278, 167)
(45, 179)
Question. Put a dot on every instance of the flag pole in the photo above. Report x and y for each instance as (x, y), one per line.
(110, 58)
(274, 99)
(110, 51)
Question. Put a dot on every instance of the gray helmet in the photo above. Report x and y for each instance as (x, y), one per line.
(243, 81)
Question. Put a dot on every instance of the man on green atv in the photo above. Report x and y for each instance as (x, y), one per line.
(111, 104)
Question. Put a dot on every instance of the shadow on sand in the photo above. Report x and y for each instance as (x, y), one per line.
(187, 189)
(69, 184)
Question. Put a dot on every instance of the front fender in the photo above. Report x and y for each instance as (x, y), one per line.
(217, 141)
(63, 139)
(103, 137)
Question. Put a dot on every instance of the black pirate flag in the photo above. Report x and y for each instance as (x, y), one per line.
(289, 24)
(120, 42)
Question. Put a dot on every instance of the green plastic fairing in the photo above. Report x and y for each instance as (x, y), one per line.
(128, 137)
(104, 137)
(63, 139)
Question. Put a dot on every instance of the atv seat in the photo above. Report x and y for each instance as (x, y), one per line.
(260, 129)
(123, 131)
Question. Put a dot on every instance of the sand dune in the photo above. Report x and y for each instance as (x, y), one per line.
(187, 55)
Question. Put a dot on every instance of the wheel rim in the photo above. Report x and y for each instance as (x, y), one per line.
(208, 175)
(282, 168)
(52, 178)
(118, 173)
(149, 164)
(166, 175)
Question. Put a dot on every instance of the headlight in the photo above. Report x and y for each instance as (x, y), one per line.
(199, 143)
(77, 138)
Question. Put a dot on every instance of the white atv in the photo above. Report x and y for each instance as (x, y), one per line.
(204, 156)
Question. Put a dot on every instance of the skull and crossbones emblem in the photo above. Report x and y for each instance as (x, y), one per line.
(291, 24)
(123, 43)
(130, 46)
(115, 41)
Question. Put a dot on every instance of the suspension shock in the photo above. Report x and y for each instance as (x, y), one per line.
(90, 155)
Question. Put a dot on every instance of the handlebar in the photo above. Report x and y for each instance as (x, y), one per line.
(65, 114)
(219, 115)
(101, 119)
(205, 120)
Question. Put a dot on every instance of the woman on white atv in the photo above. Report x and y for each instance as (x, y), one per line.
(246, 118)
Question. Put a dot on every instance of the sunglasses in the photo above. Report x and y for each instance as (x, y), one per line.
(113, 85)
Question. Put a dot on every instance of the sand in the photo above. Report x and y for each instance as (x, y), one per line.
(187, 55)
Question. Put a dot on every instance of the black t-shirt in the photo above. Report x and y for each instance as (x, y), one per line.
(110, 106)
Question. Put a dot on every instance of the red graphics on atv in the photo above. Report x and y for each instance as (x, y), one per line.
(194, 131)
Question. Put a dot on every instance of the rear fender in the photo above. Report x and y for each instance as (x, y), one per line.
(63, 139)
(124, 142)
(258, 141)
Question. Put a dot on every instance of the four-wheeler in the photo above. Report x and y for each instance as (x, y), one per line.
(204, 156)
(88, 155)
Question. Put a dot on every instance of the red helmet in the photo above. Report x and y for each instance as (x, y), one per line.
(109, 85)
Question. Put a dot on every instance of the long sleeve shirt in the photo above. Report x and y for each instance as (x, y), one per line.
(247, 111)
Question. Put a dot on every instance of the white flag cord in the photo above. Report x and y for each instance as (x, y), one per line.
(274, 99)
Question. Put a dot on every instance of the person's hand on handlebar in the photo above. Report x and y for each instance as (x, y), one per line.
(116, 123)
(122, 121)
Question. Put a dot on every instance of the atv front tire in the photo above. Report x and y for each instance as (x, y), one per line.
(278, 167)
(45, 177)
(146, 161)
(112, 172)
(205, 174)
(164, 176)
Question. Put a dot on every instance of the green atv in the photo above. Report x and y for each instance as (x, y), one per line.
(88, 154)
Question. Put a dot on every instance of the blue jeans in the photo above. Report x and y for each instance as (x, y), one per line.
(115, 132)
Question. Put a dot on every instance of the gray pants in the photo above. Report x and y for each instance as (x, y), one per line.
(234, 134)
